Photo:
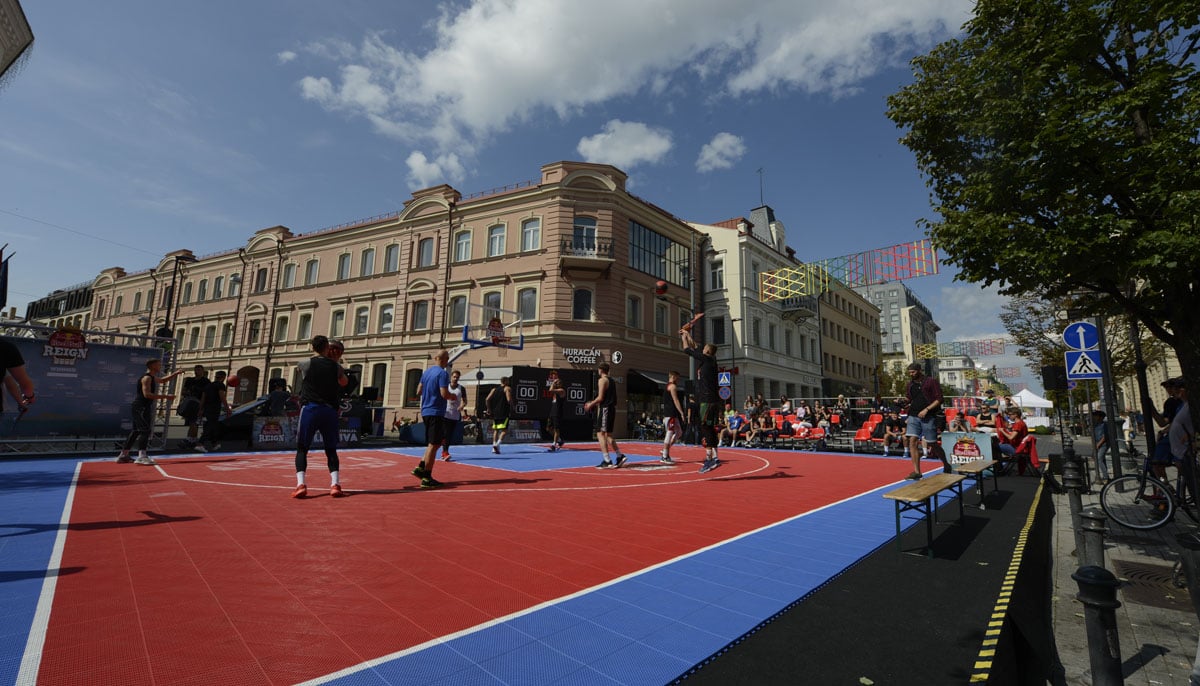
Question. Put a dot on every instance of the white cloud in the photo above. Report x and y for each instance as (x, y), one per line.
(424, 172)
(722, 152)
(495, 63)
(285, 56)
(625, 144)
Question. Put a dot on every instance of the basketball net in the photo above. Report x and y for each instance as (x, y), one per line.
(495, 331)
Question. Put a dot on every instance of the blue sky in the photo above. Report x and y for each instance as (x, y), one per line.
(140, 127)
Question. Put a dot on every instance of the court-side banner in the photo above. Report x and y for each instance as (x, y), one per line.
(83, 389)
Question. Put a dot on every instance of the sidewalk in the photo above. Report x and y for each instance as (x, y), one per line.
(1156, 623)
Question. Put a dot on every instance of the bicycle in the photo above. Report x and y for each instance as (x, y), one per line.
(1144, 502)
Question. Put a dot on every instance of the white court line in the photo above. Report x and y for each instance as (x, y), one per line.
(557, 601)
(522, 489)
(31, 661)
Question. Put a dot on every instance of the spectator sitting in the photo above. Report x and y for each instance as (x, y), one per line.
(893, 432)
(733, 426)
(785, 405)
(1012, 433)
(959, 423)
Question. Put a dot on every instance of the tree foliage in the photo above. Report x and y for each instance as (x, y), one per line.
(1059, 140)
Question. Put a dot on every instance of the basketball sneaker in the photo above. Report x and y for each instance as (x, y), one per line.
(621, 459)
(336, 491)
(300, 491)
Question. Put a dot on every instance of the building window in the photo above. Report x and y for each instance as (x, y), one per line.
(527, 304)
(771, 328)
(343, 267)
(718, 330)
(362, 317)
(581, 305)
(660, 318)
(462, 246)
(137, 301)
(458, 310)
(379, 378)
(787, 342)
(756, 332)
(337, 322)
(117, 303)
(386, 313)
(218, 287)
(289, 275)
(491, 305)
(391, 258)
(531, 234)
(226, 335)
(194, 338)
(366, 265)
(425, 253)
(210, 336)
(253, 331)
(653, 253)
(496, 240)
(260, 280)
(310, 272)
(281, 329)
(412, 379)
(716, 275)
(633, 312)
(304, 327)
(235, 285)
(584, 235)
(420, 314)
(187, 293)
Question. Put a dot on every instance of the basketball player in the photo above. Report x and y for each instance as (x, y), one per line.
(606, 401)
(672, 416)
(706, 389)
(454, 408)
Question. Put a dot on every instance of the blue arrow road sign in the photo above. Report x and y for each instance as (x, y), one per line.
(1084, 364)
(724, 379)
(1081, 336)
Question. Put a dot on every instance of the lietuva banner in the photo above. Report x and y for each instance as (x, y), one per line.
(83, 388)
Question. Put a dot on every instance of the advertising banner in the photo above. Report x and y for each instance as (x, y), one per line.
(83, 388)
(279, 433)
(962, 447)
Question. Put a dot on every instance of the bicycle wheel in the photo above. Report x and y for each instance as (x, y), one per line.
(1137, 505)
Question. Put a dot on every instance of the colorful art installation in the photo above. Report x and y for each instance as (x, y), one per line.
(894, 263)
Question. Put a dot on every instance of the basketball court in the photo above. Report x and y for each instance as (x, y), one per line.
(529, 567)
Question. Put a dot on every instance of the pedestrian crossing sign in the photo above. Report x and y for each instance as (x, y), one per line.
(1084, 364)
(724, 379)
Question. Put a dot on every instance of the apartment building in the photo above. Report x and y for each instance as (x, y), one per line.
(849, 343)
(572, 256)
(774, 346)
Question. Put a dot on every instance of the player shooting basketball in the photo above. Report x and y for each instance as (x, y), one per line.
(706, 392)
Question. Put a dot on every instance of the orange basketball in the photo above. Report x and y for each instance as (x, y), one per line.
(660, 288)
(231, 381)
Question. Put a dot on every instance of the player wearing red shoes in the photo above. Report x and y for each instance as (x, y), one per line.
(320, 394)
(454, 407)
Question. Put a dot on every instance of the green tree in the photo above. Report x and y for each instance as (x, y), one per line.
(1059, 140)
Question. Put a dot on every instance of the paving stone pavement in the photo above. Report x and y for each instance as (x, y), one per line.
(1156, 623)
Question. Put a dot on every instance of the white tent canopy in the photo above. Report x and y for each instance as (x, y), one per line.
(1034, 406)
(1028, 399)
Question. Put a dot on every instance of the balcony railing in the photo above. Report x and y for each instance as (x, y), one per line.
(598, 249)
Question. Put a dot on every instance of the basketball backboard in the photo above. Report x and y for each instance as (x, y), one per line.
(490, 326)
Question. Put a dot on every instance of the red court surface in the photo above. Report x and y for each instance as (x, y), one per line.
(204, 570)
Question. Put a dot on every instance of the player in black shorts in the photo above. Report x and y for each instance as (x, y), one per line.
(606, 402)
(706, 392)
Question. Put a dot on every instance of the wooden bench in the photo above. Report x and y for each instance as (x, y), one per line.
(974, 469)
(917, 496)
